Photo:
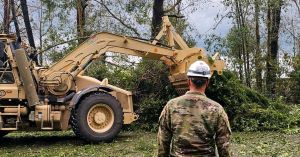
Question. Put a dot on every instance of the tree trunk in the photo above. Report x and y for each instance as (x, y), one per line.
(257, 59)
(240, 8)
(40, 33)
(24, 8)
(241, 49)
(158, 13)
(273, 22)
(244, 32)
(81, 5)
(13, 11)
(245, 50)
(6, 16)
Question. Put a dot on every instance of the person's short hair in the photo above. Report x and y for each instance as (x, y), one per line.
(198, 81)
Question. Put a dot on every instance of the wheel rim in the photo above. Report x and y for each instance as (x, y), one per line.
(100, 118)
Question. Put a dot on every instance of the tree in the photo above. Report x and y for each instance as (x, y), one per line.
(6, 16)
(157, 14)
(80, 8)
(242, 26)
(24, 8)
(158, 11)
(241, 38)
(14, 17)
(273, 22)
(258, 69)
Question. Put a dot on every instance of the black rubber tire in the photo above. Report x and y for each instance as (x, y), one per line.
(79, 122)
(3, 133)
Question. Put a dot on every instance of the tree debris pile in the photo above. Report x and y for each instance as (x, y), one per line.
(249, 110)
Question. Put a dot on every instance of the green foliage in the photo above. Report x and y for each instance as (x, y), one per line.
(149, 111)
(253, 117)
(98, 70)
(275, 144)
(249, 110)
(295, 77)
(215, 43)
(117, 76)
(66, 144)
(231, 93)
(152, 92)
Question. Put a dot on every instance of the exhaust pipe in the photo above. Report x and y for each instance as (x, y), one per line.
(26, 77)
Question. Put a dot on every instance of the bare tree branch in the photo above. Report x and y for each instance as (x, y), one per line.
(187, 6)
(173, 7)
(176, 16)
(36, 7)
(63, 42)
(297, 5)
(292, 33)
(118, 19)
(217, 24)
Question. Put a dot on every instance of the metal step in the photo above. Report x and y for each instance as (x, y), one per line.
(46, 128)
(8, 106)
(9, 114)
(2, 115)
(8, 129)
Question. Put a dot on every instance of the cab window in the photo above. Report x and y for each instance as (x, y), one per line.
(6, 76)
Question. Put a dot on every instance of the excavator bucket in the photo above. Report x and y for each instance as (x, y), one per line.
(178, 76)
(179, 81)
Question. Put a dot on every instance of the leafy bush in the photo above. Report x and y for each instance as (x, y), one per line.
(152, 91)
(249, 110)
(149, 112)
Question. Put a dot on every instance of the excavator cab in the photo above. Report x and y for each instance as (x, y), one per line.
(10, 88)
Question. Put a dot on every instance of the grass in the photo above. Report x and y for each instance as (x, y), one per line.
(139, 144)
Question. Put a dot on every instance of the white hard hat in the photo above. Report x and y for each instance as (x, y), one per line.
(199, 69)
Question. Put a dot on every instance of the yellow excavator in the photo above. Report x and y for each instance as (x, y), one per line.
(59, 96)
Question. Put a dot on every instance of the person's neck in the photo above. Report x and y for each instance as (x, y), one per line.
(200, 90)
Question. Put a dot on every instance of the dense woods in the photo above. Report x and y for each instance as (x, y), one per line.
(260, 88)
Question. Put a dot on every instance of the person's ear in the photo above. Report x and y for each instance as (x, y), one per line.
(207, 83)
(188, 81)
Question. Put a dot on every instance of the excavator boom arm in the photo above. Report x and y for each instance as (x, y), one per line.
(178, 60)
(98, 44)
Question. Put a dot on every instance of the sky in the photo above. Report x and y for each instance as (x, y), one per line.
(204, 19)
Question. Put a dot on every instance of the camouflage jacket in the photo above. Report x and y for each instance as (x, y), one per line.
(192, 125)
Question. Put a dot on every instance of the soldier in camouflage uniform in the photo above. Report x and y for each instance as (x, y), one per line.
(192, 124)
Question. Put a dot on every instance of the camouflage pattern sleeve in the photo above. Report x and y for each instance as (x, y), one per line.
(223, 135)
(164, 135)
